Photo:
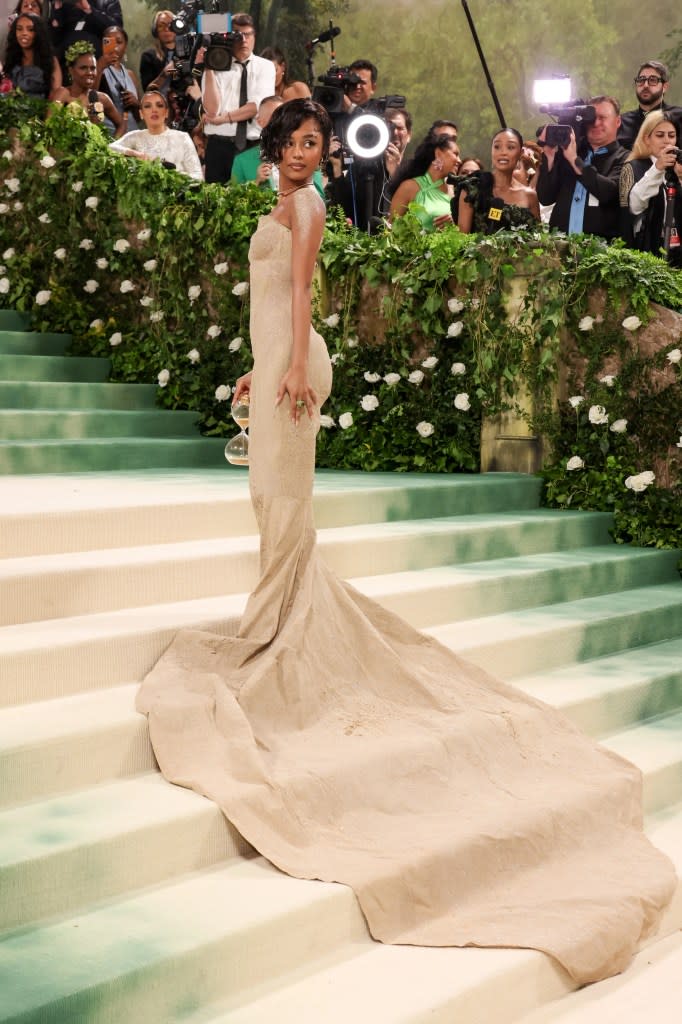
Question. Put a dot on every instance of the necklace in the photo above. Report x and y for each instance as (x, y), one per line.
(287, 192)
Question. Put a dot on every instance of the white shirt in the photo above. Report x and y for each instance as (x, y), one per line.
(260, 83)
(170, 144)
(644, 190)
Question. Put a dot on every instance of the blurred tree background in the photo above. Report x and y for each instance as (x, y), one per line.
(426, 52)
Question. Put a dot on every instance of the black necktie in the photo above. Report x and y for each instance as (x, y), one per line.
(240, 137)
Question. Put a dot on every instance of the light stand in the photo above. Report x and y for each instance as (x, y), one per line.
(486, 72)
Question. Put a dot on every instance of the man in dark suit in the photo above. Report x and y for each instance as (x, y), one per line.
(584, 186)
(651, 85)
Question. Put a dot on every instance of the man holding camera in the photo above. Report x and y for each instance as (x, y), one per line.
(231, 100)
(584, 188)
(651, 85)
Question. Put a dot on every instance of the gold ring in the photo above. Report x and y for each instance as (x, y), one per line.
(300, 403)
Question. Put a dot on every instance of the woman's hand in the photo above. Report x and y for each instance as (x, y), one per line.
(444, 220)
(243, 387)
(667, 159)
(294, 383)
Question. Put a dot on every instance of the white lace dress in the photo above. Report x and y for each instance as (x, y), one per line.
(171, 145)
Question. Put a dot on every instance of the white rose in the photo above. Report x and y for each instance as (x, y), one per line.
(335, 358)
(60, 254)
(222, 393)
(214, 331)
(331, 321)
(121, 245)
(144, 235)
(240, 289)
(96, 325)
(17, 206)
(7, 154)
(430, 362)
(638, 483)
(425, 429)
(352, 342)
(77, 186)
(156, 316)
(586, 324)
(193, 355)
(12, 184)
(369, 402)
(631, 323)
(193, 292)
(115, 339)
(86, 243)
(416, 377)
(45, 218)
(327, 421)
(647, 476)
(576, 400)
(8, 254)
(457, 369)
(4, 208)
(146, 300)
(674, 356)
(90, 286)
(391, 379)
(619, 426)
(150, 265)
(235, 344)
(47, 162)
(462, 402)
(126, 286)
(92, 202)
(163, 377)
(102, 263)
(454, 330)
(455, 306)
(608, 380)
(678, 444)
(475, 303)
(221, 268)
(346, 420)
(4, 285)
(370, 377)
(598, 415)
(575, 462)
(43, 297)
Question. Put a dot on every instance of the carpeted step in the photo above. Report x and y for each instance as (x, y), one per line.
(28, 343)
(49, 586)
(81, 424)
(69, 456)
(26, 394)
(166, 950)
(56, 657)
(60, 854)
(53, 368)
(104, 510)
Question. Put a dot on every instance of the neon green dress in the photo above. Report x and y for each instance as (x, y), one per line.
(429, 201)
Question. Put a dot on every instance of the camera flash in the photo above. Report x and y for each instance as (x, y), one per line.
(551, 90)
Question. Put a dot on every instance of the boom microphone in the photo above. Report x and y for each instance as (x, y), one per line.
(323, 37)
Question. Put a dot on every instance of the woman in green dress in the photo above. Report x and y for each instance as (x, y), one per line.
(421, 185)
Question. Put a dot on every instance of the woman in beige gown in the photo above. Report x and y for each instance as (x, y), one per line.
(346, 746)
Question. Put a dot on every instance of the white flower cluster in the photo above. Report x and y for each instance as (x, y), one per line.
(455, 305)
(332, 320)
(640, 481)
(674, 356)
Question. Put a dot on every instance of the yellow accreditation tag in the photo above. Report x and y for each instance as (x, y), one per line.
(494, 213)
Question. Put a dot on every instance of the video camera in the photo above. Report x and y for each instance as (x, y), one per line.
(195, 28)
(575, 115)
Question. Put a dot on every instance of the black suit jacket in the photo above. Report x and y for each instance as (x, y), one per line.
(631, 122)
(600, 179)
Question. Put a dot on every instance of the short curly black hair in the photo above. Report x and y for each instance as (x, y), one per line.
(286, 120)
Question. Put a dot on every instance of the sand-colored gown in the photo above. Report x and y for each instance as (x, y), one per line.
(346, 746)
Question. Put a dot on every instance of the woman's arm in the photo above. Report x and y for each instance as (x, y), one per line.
(644, 190)
(56, 80)
(112, 113)
(402, 197)
(307, 216)
(465, 214)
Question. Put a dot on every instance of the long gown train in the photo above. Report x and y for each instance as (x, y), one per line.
(346, 746)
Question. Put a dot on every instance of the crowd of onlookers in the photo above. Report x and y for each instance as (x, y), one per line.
(618, 175)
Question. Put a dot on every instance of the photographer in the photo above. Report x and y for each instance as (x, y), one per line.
(651, 189)
(231, 99)
(581, 179)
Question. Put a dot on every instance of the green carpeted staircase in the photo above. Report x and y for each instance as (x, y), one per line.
(58, 414)
(125, 899)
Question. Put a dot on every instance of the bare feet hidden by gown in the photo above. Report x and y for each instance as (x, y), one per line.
(346, 746)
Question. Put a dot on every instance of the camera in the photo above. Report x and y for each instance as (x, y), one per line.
(219, 49)
(335, 83)
(576, 115)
